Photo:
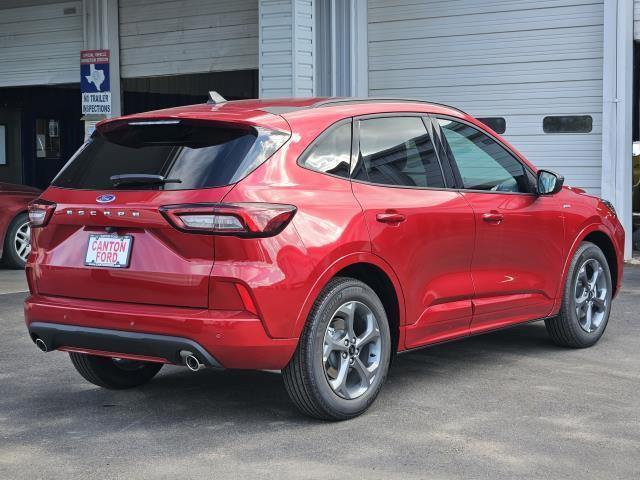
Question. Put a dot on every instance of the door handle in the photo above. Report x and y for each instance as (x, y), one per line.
(390, 217)
(493, 217)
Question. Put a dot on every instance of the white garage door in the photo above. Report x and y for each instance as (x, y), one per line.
(187, 36)
(636, 19)
(521, 60)
(40, 44)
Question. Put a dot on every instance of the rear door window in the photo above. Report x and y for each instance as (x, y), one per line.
(398, 151)
(193, 155)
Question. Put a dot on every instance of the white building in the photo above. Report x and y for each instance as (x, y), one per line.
(556, 75)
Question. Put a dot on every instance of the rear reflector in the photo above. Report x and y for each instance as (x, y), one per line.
(246, 299)
(249, 220)
(40, 212)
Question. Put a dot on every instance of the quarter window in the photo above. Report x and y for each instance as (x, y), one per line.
(331, 153)
(482, 162)
(398, 151)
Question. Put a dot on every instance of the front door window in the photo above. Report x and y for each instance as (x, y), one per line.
(482, 162)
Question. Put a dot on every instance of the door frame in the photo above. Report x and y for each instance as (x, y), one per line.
(13, 170)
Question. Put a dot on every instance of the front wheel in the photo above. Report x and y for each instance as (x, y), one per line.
(343, 355)
(586, 302)
(114, 373)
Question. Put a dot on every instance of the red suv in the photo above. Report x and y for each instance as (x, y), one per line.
(318, 237)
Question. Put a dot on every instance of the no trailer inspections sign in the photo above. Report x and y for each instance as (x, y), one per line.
(94, 82)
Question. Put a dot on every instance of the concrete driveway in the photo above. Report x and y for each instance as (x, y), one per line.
(504, 405)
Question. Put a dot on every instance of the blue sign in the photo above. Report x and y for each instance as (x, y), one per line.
(94, 77)
(95, 87)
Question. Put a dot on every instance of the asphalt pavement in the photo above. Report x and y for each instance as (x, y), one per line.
(499, 406)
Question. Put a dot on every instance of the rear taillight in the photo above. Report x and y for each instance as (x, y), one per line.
(40, 212)
(238, 219)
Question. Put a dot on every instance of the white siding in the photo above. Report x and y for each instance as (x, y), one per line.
(286, 48)
(517, 59)
(636, 19)
(40, 44)
(187, 36)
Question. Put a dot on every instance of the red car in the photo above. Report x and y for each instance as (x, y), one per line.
(318, 237)
(15, 233)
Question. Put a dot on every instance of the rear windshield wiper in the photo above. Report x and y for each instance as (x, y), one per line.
(141, 179)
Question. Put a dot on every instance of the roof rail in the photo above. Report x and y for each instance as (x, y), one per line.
(347, 100)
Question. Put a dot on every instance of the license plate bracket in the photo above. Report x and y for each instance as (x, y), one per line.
(108, 251)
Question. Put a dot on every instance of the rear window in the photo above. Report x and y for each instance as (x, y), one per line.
(192, 155)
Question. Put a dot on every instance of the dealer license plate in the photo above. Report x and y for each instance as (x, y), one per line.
(113, 251)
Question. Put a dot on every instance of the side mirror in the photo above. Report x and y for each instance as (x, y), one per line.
(549, 182)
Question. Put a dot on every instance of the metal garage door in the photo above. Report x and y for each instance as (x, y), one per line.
(517, 59)
(187, 36)
(636, 19)
(40, 44)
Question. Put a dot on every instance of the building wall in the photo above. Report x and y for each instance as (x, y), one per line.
(636, 19)
(286, 48)
(517, 59)
(187, 36)
(40, 44)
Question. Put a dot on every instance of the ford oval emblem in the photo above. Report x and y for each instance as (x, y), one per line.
(106, 198)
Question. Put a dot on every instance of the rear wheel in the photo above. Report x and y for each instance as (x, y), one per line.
(17, 244)
(343, 355)
(114, 373)
(586, 302)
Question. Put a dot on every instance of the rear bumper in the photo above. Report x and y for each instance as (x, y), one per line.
(220, 338)
(159, 348)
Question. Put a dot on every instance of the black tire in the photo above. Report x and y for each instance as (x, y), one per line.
(565, 329)
(10, 256)
(113, 374)
(305, 378)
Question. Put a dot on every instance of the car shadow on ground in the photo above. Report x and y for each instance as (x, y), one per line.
(252, 397)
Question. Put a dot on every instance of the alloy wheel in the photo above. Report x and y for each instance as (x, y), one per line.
(22, 241)
(591, 295)
(351, 350)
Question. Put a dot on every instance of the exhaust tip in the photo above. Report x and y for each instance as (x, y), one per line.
(192, 363)
(41, 345)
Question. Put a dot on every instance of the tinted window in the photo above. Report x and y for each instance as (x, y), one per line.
(483, 163)
(200, 156)
(397, 151)
(331, 152)
(497, 124)
(568, 124)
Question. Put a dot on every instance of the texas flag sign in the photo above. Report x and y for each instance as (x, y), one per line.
(94, 82)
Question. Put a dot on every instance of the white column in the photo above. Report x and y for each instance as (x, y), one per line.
(359, 50)
(617, 111)
(286, 48)
(102, 31)
(342, 55)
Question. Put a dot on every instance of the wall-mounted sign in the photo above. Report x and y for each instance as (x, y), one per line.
(94, 82)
